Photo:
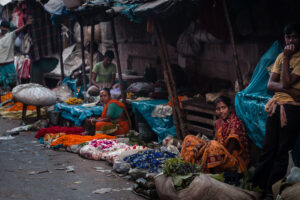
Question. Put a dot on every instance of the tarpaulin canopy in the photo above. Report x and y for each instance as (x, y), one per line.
(135, 10)
(56, 7)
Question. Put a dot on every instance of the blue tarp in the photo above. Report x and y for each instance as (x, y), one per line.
(71, 83)
(250, 102)
(162, 126)
(78, 113)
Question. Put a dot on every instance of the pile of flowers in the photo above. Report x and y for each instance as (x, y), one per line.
(103, 144)
(73, 101)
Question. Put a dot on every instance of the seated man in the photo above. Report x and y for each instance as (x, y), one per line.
(103, 74)
(98, 57)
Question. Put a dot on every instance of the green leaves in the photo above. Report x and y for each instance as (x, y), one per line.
(183, 173)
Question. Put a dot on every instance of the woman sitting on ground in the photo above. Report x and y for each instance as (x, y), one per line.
(114, 112)
(229, 150)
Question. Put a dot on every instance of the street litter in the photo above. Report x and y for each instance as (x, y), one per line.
(104, 170)
(70, 169)
(38, 172)
(35, 126)
(107, 190)
(7, 137)
(98, 168)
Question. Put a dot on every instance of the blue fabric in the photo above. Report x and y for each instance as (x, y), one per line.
(77, 113)
(129, 11)
(8, 74)
(250, 102)
(71, 83)
(162, 126)
(153, 160)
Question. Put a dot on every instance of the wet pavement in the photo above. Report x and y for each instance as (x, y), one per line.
(29, 171)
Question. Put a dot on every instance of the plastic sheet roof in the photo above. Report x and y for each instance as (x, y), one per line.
(133, 9)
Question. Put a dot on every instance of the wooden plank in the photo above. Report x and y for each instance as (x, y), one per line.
(197, 109)
(199, 103)
(202, 130)
(195, 118)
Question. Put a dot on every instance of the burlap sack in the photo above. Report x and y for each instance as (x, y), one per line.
(203, 187)
(287, 191)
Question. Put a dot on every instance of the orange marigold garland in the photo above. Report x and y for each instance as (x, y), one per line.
(69, 140)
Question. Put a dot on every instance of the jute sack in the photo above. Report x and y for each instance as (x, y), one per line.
(202, 187)
(286, 191)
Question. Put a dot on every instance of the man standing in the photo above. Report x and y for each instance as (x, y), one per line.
(8, 75)
(103, 74)
(283, 122)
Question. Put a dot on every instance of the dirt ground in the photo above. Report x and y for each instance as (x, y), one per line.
(29, 171)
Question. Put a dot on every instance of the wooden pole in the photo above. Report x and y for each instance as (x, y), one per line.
(235, 56)
(61, 54)
(173, 84)
(113, 31)
(169, 81)
(92, 52)
(83, 56)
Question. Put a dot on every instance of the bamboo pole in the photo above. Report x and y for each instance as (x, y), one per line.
(113, 31)
(61, 54)
(235, 56)
(92, 52)
(169, 80)
(83, 56)
(173, 84)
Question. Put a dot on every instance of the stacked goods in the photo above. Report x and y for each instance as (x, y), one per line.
(58, 129)
(19, 107)
(108, 128)
(152, 160)
(69, 140)
(6, 97)
(108, 150)
(73, 101)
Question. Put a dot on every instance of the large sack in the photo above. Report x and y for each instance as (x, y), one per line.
(283, 190)
(202, 187)
(34, 94)
(140, 87)
(87, 32)
(63, 93)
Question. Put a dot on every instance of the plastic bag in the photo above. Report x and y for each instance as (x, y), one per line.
(63, 93)
(140, 87)
(34, 94)
(121, 167)
(294, 176)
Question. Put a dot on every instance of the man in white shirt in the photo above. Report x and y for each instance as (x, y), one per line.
(8, 75)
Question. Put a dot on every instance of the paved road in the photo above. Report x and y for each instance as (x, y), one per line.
(28, 171)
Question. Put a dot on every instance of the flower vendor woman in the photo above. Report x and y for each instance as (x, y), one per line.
(229, 150)
(114, 116)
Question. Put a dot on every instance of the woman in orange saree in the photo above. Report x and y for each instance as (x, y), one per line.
(228, 151)
(114, 113)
